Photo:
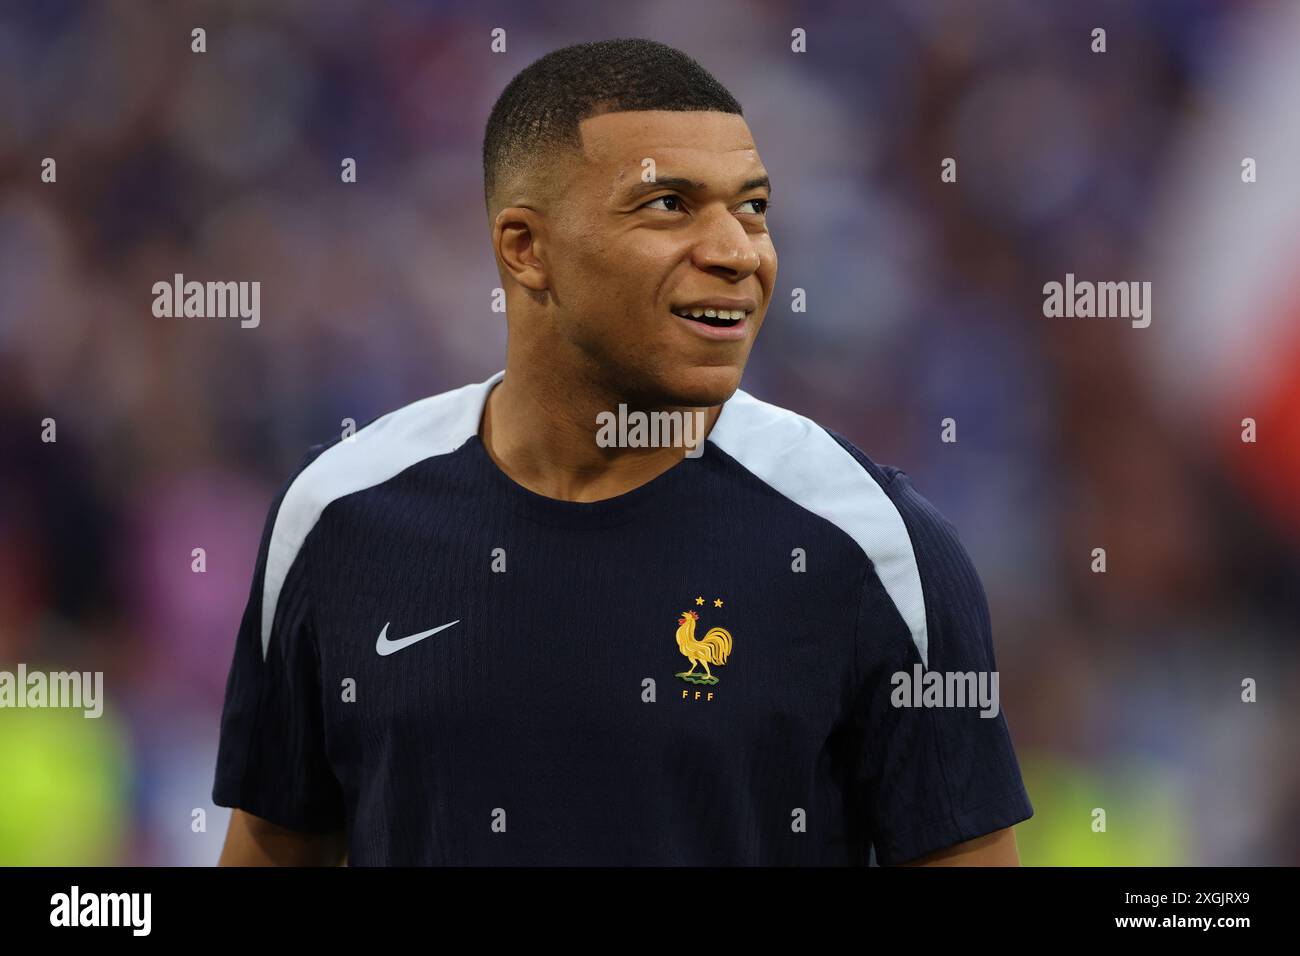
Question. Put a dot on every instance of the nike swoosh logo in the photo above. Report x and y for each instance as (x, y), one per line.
(385, 647)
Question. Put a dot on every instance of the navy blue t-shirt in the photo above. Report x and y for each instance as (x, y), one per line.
(702, 671)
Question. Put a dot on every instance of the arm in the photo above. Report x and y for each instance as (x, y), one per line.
(252, 841)
(937, 785)
(271, 757)
(992, 849)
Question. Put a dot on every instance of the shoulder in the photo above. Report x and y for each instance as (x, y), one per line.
(913, 548)
(829, 476)
(772, 441)
(955, 604)
(382, 448)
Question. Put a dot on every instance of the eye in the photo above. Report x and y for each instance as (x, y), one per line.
(668, 198)
(765, 203)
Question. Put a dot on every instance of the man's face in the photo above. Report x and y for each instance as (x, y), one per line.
(626, 253)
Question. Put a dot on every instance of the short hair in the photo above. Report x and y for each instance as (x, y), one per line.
(539, 110)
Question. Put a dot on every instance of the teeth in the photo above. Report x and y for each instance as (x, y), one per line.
(730, 315)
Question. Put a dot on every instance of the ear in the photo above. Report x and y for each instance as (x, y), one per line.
(521, 243)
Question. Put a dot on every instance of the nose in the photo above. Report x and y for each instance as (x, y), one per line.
(724, 247)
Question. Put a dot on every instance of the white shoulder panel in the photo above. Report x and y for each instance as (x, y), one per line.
(798, 458)
(436, 425)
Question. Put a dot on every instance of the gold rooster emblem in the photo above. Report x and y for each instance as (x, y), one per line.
(714, 648)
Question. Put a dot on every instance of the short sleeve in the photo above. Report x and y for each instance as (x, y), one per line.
(932, 776)
(271, 759)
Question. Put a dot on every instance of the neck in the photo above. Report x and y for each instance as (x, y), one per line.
(540, 429)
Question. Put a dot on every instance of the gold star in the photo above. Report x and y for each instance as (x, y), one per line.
(699, 600)
(717, 602)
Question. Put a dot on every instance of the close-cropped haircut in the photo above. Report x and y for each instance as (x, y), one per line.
(539, 111)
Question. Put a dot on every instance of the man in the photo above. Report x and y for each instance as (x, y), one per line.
(480, 633)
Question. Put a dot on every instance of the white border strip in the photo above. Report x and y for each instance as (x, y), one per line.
(799, 459)
(436, 425)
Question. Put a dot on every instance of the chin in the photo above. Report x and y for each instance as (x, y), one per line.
(702, 386)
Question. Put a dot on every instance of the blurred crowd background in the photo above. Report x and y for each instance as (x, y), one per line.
(1122, 689)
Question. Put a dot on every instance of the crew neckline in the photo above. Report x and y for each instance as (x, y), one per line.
(556, 511)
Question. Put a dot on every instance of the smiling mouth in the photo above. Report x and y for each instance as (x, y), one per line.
(717, 318)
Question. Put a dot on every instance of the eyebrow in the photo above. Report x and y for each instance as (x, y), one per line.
(690, 185)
